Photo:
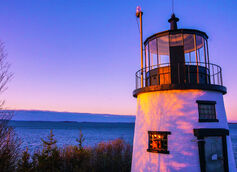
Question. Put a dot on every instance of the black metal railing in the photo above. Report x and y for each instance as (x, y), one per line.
(188, 73)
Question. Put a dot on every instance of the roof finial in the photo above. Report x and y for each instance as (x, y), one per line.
(173, 22)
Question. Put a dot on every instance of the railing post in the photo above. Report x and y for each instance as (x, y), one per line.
(206, 73)
(213, 74)
(221, 76)
(163, 77)
(157, 78)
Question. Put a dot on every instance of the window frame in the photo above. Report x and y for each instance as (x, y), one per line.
(165, 133)
(205, 102)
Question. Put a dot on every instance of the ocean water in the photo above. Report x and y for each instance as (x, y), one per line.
(233, 135)
(66, 133)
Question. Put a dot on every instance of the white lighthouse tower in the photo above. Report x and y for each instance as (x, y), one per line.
(181, 122)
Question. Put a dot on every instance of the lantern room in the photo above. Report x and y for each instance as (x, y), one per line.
(178, 59)
(176, 46)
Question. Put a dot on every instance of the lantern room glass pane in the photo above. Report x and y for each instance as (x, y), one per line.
(163, 50)
(199, 41)
(189, 48)
(200, 50)
(153, 53)
(176, 40)
(206, 52)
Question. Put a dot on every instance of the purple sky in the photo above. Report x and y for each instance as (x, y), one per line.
(81, 56)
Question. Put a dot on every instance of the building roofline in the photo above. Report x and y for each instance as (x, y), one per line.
(169, 32)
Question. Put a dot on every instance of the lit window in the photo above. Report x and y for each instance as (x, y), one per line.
(158, 141)
(207, 111)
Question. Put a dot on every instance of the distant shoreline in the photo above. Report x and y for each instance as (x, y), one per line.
(70, 117)
(71, 122)
(81, 121)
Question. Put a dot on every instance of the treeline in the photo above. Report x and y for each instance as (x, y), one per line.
(111, 156)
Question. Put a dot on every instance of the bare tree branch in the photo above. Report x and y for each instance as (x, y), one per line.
(9, 143)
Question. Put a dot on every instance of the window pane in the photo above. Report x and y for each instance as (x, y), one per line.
(187, 58)
(153, 53)
(206, 50)
(200, 49)
(163, 49)
(206, 111)
(189, 48)
(158, 141)
(176, 40)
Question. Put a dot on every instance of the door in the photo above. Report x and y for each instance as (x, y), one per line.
(214, 154)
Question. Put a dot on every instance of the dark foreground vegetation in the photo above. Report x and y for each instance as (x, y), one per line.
(109, 156)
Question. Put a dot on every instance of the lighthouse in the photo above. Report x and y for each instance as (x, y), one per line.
(181, 122)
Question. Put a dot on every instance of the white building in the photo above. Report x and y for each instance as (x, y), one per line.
(181, 121)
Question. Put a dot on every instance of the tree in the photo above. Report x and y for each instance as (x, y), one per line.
(9, 143)
(48, 160)
(24, 164)
(5, 74)
(80, 140)
(50, 144)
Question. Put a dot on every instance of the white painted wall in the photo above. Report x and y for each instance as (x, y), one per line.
(175, 111)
